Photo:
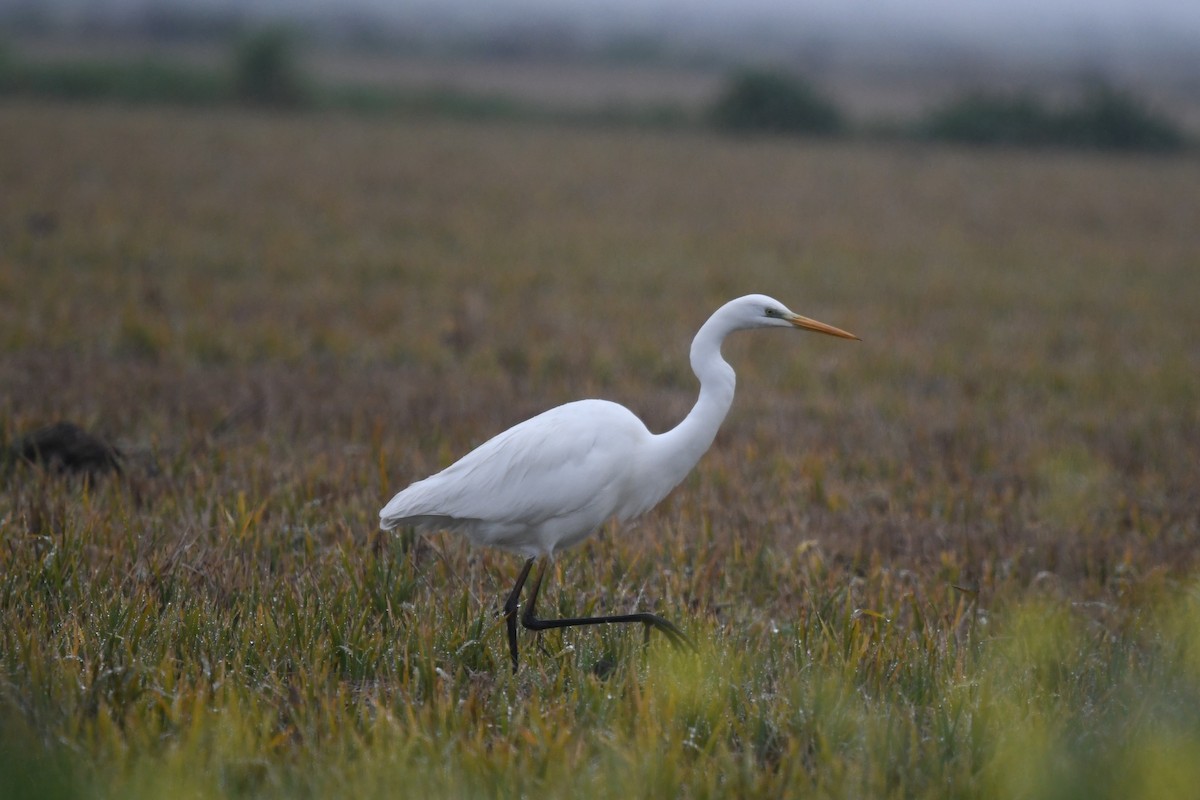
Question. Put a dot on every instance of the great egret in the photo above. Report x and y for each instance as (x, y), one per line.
(549, 482)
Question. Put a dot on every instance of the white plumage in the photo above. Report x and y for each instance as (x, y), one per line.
(550, 481)
(539, 486)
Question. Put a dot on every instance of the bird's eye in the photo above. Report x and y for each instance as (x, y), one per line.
(770, 312)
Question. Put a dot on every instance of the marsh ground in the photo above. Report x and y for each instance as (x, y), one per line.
(956, 558)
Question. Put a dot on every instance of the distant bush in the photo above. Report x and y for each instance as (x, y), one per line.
(1112, 119)
(773, 102)
(1105, 118)
(266, 70)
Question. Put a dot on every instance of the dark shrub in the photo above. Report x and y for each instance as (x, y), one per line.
(267, 71)
(1111, 119)
(773, 102)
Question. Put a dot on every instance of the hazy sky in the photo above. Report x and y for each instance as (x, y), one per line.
(949, 13)
(1033, 23)
(1040, 24)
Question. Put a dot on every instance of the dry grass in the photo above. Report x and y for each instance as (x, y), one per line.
(284, 319)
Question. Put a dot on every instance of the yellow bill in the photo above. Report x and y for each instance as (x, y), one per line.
(820, 327)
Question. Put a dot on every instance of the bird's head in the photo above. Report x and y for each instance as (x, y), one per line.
(760, 311)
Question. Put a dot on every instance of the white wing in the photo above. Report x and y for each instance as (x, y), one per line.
(551, 479)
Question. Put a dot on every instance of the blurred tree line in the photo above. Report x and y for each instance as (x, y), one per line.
(1103, 118)
(264, 69)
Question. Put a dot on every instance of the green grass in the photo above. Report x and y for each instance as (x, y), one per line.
(143, 81)
(955, 559)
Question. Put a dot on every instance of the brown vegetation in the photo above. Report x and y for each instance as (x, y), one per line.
(284, 319)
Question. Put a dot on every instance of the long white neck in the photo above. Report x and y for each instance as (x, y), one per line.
(678, 449)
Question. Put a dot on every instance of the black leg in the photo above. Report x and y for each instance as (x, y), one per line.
(510, 610)
(673, 634)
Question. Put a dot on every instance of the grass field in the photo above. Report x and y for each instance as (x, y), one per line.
(957, 559)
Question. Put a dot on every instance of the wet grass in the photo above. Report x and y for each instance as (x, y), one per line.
(956, 559)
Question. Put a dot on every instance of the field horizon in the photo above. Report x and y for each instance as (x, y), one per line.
(881, 92)
(957, 558)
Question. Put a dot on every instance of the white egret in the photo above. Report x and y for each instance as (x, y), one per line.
(549, 482)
